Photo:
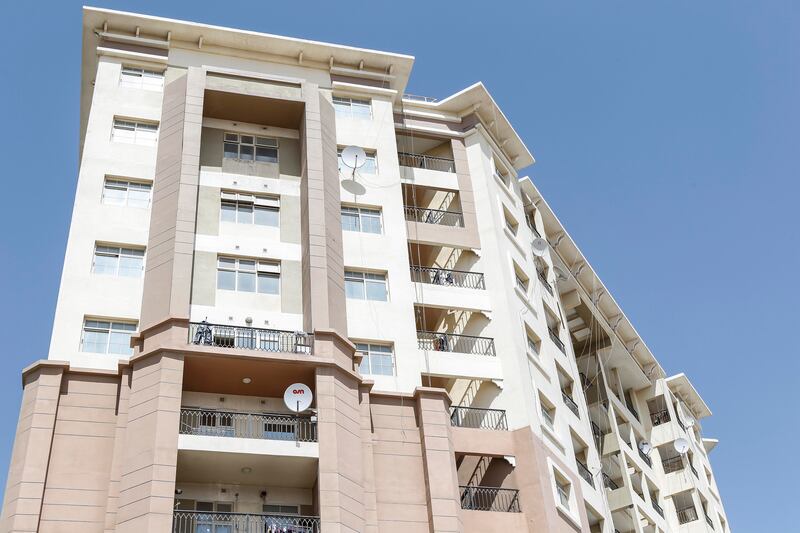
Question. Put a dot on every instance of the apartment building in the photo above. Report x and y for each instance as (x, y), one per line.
(468, 370)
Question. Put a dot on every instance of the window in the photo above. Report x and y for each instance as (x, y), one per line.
(133, 132)
(139, 78)
(248, 275)
(378, 359)
(361, 219)
(563, 488)
(127, 193)
(118, 261)
(548, 413)
(250, 148)
(280, 509)
(365, 286)
(250, 209)
(105, 336)
(521, 279)
(352, 107)
(532, 342)
(370, 166)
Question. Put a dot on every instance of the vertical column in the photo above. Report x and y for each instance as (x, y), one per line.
(341, 491)
(370, 493)
(438, 456)
(465, 192)
(147, 483)
(30, 456)
(112, 500)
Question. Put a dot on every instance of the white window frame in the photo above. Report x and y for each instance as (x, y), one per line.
(256, 202)
(346, 106)
(368, 350)
(364, 278)
(370, 166)
(360, 213)
(141, 78)
(119, 252)
(91, 324)
(134, 131)
(123, 184)
(261, 268)
(247, 141)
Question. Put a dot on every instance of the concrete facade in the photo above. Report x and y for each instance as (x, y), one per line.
(462, 381)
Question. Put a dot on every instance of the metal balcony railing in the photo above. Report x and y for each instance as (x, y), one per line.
(694, 470)
(583, 470)
(439, 217)
(427, 162)
(659, 417)
(450, 342)
(657, 508)
(194, 521)
(597, 434)
(265, 340)
(645, 458)
(545, 283)
(709, 521)
(267, 426)
(556, 340)
(418, 98)
(442, 276)
(680, 422)
(490, 499)
(686, 515)
(672, 464)
(569, 402)
(473, 417)
(609, 483)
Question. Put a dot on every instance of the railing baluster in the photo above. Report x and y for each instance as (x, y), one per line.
(190, 521)
(478, 418)
(434, 216)
(451, 342)
(247, 425)
(265, 340)
(477, 498)
(427, 162)
(443, 276)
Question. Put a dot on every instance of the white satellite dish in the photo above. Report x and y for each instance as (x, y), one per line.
(539, 246)
(645, 447)
(560, 274)
(690, 422)
(297, 397)
(681, 445)
(353, 187)
(354, 157)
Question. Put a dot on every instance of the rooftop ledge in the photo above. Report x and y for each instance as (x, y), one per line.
(680, 385)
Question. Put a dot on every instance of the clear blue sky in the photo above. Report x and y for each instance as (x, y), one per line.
(666, 135)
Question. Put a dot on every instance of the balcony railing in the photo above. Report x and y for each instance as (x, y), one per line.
(453, 278)
(709, 521)
(645, 458)
(657, 508)
(569, 402)
(545, 283)
(265, 340)
(694, 470)
(490, 499)
(548, 418)
(659, 417)
(450, 342)
(672, 464)
(193, 521)
(267, 426)
(597, 434)
(427, 162)
(555, 338)
(418, 98)
(583, 470)
(686, 515)
(472, 417)
(609, 483)
(453, 219)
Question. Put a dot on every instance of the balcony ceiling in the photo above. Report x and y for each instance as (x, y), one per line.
(252, 109)
(226, 468)
(223, 375)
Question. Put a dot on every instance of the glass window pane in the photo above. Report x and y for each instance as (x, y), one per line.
(382, 364)
(364, 366)
(246, 139)
(232, 137)
(120, 343)
(131, 266)
(354, 289)
(226, 280)
(231, 150)
(376, 291)
(95, 341)
(266, 216)
(350, 222)
(246, 281)
(268, 283)
(139, 198)
(228, 212)
(370, 224)
(266, 155)
(105, 264)
(227, 262)
(244, 214)
(370, 166)
(247, 265)
(245, 152)
(114, 193)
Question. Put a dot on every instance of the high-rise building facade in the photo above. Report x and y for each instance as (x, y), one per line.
(466, 368)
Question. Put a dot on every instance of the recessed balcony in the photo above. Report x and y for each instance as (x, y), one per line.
(427, 162)
(247, 338)
(439, 217)
(233, 424)
(447, 277)
(217, 522)
(452, 342)
(478, 418)
(490, 499)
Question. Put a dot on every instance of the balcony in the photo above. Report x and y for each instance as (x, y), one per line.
(659, 417)
(193, 521)
(418, 98)
(246, 338)
(556, 340)
(672, 464)
(453, 219)
(452, 278)
(657, 508)
(472, 417)
(451, 342)
(686, 515)
(645, 458)
(609, 483)
(427, 162)
(490, 499)
(694, 470)
(583, 470)
(214, 423)
(709, 521)
(569, 402)
(545, 284)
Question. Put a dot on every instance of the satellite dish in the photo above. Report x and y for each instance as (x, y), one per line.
(681, 445)
(297, 397)
(645, 447)
(690, 422)
(353, 187)
(560, 274)
(354, 157)
(539, 246)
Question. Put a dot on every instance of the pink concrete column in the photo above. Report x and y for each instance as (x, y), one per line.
(112, 500)
(438, 455)
(29, 458)
(370, 494)
(147, 483)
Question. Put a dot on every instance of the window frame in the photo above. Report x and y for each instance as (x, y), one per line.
(266, 268)
(256, 201)
(127, 183)
(254, 144)
(138, 127)
(86, 327)
(343, 106)
(119, 251)
(143, 73)
(359, 212)
(362, 276)
(370, 353)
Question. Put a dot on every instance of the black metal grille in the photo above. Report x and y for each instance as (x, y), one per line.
(658, 508)
(659, 417)
(490, 499)
(556, 340)
(672, 464)
(247, 425)
(434, 216)
(545, 283)
(450, 342)
(571, 404)
(442, 276)
(428, 162)
(585, 474)
(193, 522)
(265, 340)
(686, 515)
(609, 483)
(473, 417)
